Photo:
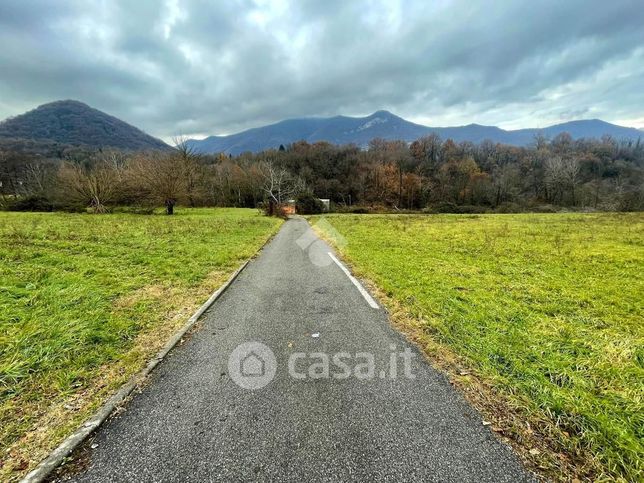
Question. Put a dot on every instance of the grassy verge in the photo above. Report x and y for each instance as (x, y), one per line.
(538, 317)
(86, 300)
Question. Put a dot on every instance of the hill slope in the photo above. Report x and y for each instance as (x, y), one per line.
(75, 123)
(383, 124)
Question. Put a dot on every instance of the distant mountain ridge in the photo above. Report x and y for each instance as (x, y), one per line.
(75, 123)
(383, 124)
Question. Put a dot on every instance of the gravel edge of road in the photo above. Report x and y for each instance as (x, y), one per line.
(48, 465)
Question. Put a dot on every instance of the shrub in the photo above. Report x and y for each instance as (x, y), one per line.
(509, 207)
(308, 204)
(449, 207)
(30, 203)
(630, 201)
(270, 208)
(356, 210)
(544, 209)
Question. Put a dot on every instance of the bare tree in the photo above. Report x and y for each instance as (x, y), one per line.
(427, 150)
(571, 176)
(506, 179)
(96, 186)
(114, 158)
(188, 161)
(38, 178)
(553, 177)
(156, 176)
(279, 185)
(402, 160)
(561, 174)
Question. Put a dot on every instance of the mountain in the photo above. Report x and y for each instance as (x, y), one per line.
(383, 124)
(336, 130)
(74, 123)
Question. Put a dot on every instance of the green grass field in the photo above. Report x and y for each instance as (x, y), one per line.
(549, 309)
(85, 300)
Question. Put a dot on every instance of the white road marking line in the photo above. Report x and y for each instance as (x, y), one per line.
(355, 282)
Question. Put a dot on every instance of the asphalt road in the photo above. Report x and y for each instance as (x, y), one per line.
(193, 422)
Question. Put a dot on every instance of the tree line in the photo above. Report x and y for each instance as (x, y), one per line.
(429, 174)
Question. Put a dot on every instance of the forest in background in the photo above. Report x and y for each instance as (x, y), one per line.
(429, 174)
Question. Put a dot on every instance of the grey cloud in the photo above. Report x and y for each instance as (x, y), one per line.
(194, 66)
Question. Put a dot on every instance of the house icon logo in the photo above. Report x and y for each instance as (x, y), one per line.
(252, 365)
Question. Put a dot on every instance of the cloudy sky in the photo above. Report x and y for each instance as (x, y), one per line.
(200, 67)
